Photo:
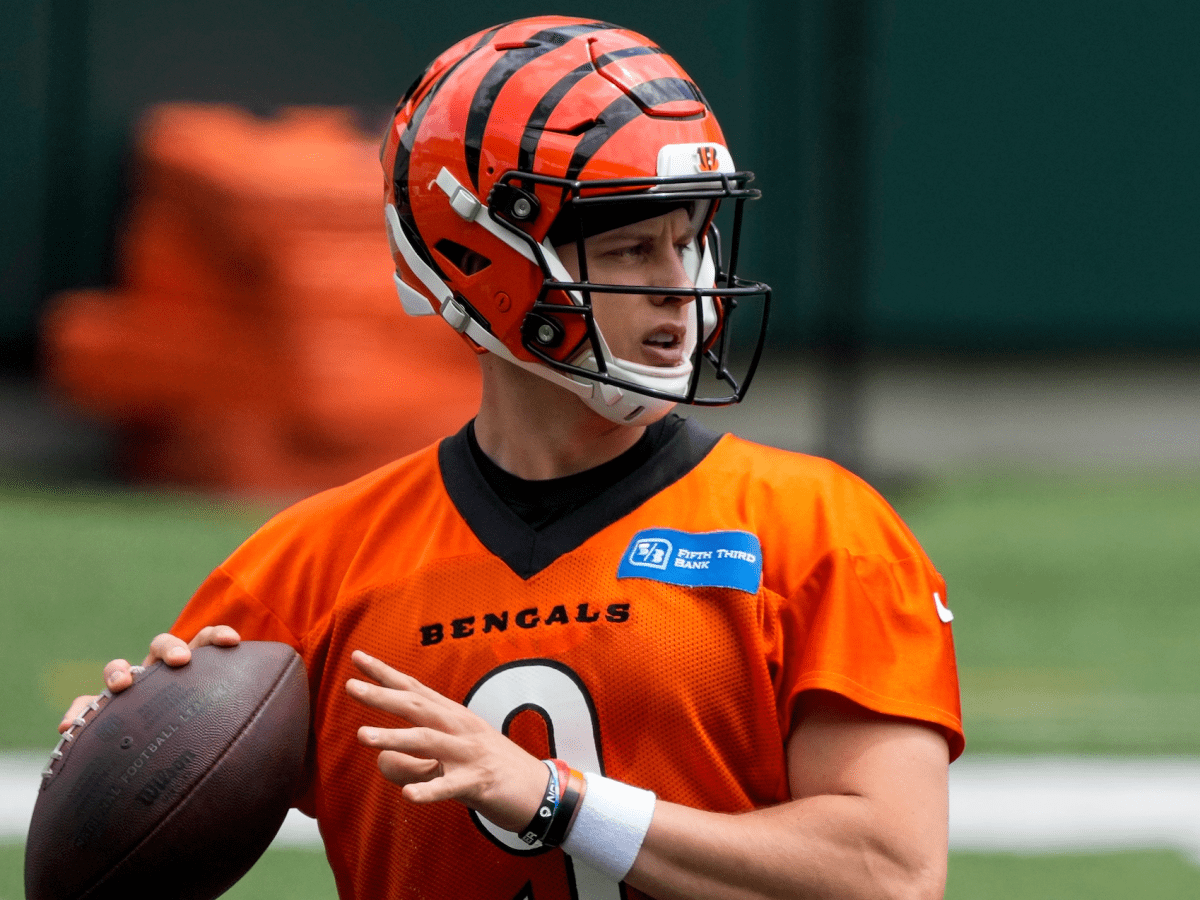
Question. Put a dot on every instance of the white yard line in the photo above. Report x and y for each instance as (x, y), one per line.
(1058, 804)
(21, 773)
(1008, 804)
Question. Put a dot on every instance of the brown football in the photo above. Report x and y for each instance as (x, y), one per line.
(175, 786)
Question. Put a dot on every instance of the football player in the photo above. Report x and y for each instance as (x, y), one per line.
(585, 648)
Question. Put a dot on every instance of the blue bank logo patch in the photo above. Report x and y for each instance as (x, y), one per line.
(728, 559)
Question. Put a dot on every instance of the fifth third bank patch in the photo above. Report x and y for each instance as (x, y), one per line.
(728, 559)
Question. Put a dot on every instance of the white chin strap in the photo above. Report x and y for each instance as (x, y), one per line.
(613, 403)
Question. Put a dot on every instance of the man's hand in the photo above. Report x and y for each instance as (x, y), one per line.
(448, 753)
(118, 674)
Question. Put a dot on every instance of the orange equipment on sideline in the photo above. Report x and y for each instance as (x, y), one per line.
(255, 342)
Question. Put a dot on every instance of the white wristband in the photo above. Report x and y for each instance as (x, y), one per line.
(610, 825)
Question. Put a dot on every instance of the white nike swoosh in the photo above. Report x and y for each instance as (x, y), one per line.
(943, 612)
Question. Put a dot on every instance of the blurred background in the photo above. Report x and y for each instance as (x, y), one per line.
(981, 225)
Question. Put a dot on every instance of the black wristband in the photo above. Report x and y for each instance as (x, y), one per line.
(560, 822)
(542, 819)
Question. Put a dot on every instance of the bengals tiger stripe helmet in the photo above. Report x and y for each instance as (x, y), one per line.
(545, 131)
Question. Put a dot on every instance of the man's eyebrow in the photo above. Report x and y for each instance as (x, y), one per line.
(643, 231)
(636, 231)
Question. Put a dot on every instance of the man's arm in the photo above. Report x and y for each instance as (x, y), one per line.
(868, 818)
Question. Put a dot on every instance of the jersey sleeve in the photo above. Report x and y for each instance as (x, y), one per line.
(278, 586)
(866, 618)
(269, 589)
(281, 583)
(220, 600)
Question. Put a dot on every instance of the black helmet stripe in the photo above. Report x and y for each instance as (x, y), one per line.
(541, 114)
(550, 100)
(509, 63)
(602, 61)
(405, 144)
(404, 149)
(624, 110)
(650, 94)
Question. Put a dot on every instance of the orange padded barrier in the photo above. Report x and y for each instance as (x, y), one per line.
(254, 342)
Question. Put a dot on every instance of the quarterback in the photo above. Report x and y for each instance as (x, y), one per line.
(585, 648)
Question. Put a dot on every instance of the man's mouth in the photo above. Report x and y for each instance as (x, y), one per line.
(664, 347)
(662, 339)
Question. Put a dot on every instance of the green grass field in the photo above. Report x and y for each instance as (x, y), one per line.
(303, 875)
(1077, 626)
(1077, 608)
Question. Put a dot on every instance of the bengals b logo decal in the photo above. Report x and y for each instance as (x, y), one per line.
(706, 159)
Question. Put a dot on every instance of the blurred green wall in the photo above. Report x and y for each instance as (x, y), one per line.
(1015, 176)
(1038, 179)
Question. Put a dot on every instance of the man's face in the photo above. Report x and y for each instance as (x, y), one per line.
(650, 329)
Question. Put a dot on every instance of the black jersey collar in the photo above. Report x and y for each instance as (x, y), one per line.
(527, 551)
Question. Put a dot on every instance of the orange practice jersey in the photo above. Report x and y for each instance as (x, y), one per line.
(661, 635)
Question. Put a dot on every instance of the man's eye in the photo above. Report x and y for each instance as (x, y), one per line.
(633, 251)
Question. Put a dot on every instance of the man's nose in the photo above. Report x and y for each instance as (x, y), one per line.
(671, 272)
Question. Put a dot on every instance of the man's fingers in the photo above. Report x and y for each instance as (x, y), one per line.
(118, 675)
(78, 705)
(402, 769)
(418, 742)
(408, 705)
(475, 764)
(425, 780)
(216, 636)
(429, 707)
(168, 648)
(391, 678)
(175, 651)
(435, 790)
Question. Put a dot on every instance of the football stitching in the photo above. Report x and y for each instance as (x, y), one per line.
(58, 754)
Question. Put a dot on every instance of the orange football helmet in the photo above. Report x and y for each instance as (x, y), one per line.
(546, 130)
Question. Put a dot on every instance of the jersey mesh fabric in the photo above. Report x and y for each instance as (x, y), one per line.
(686, 691)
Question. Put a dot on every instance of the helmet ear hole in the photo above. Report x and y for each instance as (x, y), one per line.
(466, 260)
